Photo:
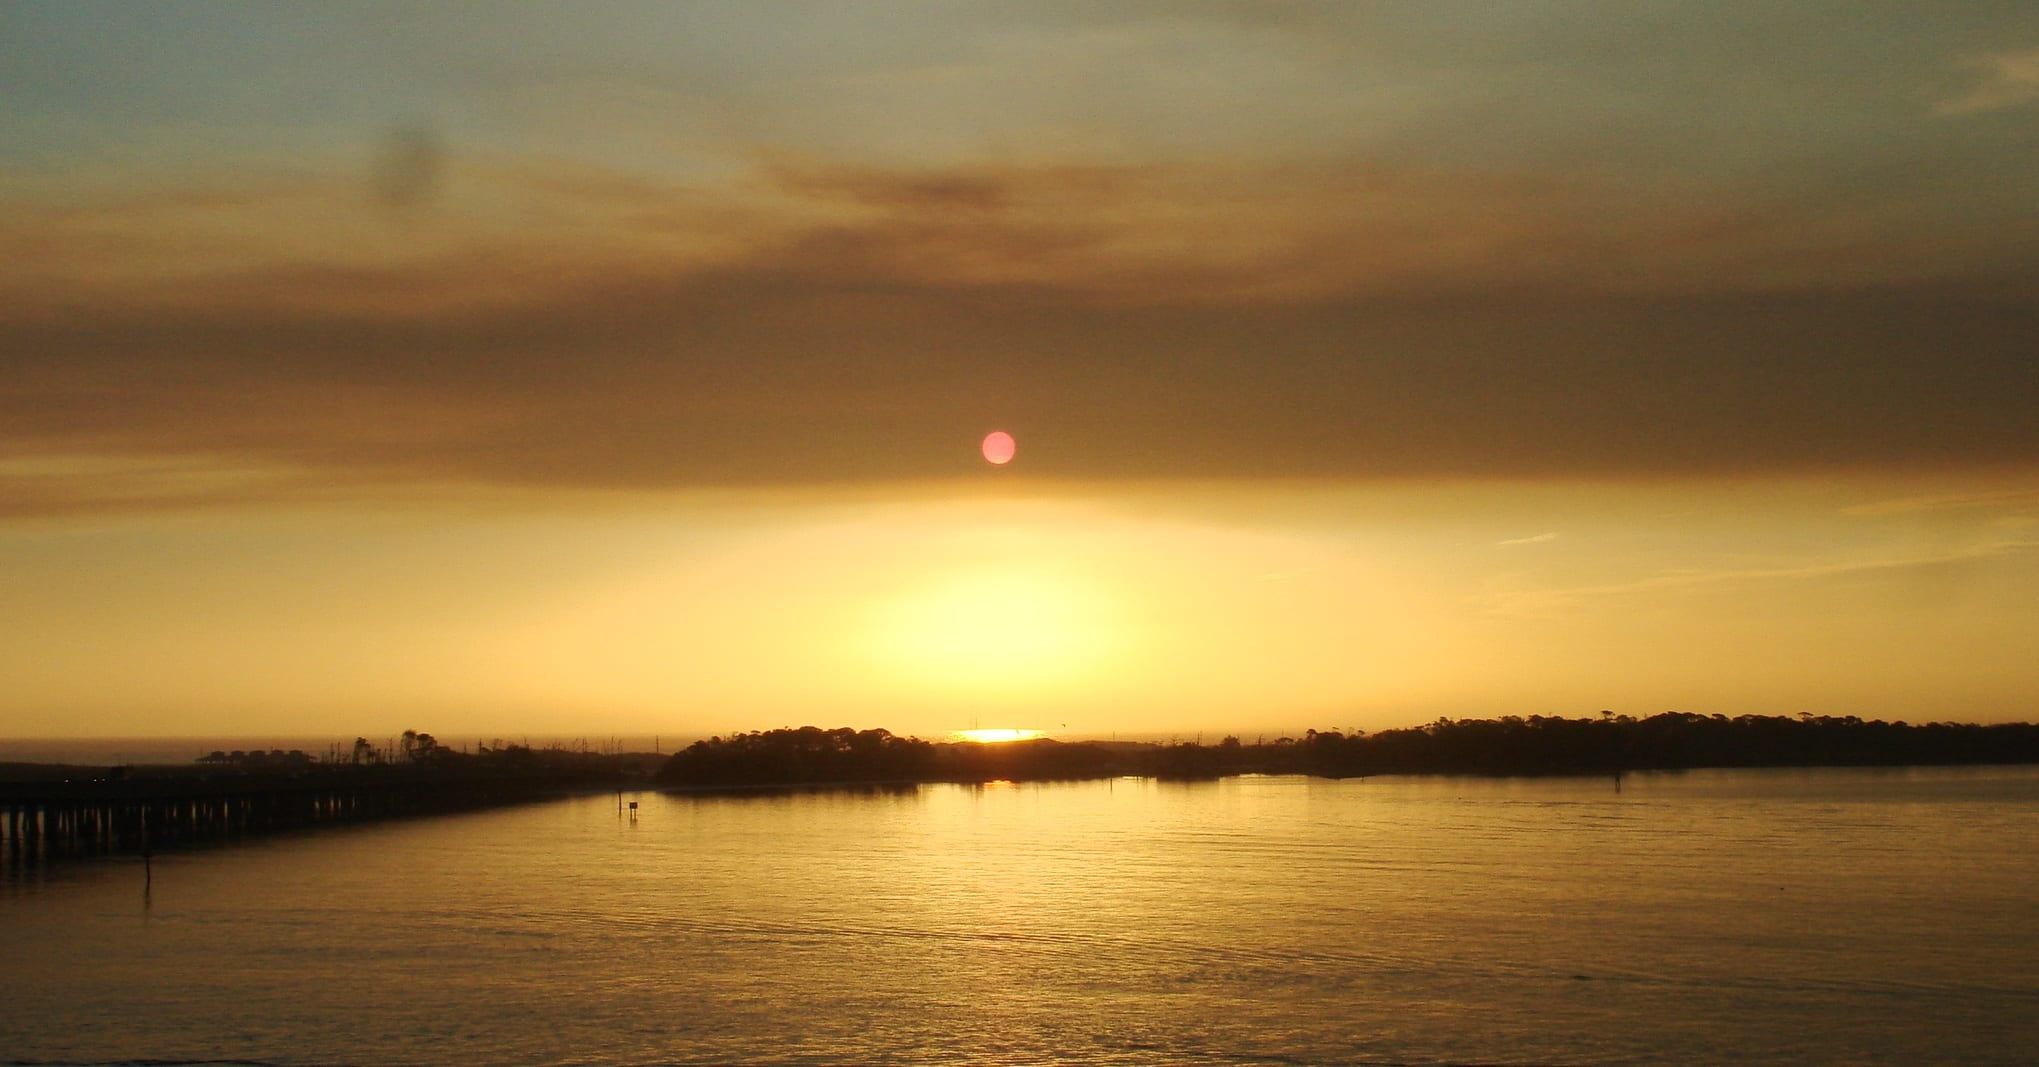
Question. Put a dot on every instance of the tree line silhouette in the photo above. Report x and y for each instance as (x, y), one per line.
(1513, 745)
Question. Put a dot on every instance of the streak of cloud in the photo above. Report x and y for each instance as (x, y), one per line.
(1914, 572)
(2008, 80)
(2027, 498)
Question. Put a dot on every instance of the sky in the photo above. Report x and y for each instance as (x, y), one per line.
(621, 368)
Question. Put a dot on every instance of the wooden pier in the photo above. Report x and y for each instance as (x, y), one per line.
(52, 819)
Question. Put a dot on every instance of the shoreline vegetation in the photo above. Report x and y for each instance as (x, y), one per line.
(47, 810)
(1511, 746)
(1536, 746)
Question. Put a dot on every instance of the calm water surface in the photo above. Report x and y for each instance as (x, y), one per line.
(1828, 916)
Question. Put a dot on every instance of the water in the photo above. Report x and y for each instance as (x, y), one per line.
(1829, 916)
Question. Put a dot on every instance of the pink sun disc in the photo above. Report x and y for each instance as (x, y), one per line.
(999, 447)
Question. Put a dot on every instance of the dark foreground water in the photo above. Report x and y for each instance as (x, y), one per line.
(1831, 916)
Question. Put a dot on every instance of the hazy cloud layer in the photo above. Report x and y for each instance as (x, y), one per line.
(2007, 79)
(1183, 241)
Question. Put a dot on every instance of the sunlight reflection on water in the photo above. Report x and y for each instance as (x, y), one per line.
(1868, 916)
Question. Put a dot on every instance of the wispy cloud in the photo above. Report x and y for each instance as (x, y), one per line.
(1536, 539)
(1546, 602)
(1940, 502)
(500, 233)
(67, 485)
(2006, 79)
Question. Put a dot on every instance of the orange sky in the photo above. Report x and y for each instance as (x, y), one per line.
(621, 369)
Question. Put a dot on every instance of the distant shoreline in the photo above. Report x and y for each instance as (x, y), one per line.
(52, 809)
(1537, 746)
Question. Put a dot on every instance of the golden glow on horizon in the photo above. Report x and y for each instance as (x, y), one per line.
(996, 736)
(1220, 610)
(996, 628)
(912, 614)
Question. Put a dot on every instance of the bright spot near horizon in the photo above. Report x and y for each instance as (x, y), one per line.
(1003, 630)
(999, 447)
(997, 736)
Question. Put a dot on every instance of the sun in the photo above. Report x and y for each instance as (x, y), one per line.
(998, 736)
